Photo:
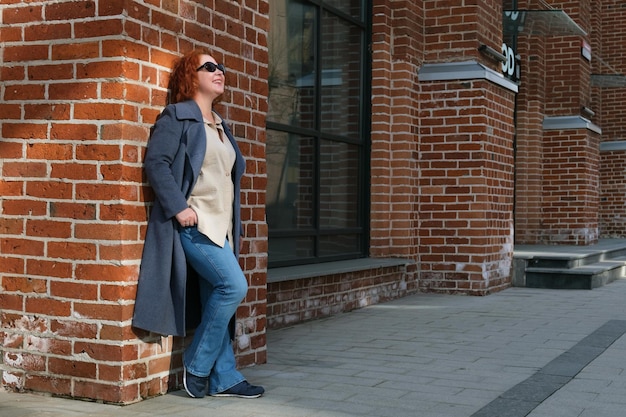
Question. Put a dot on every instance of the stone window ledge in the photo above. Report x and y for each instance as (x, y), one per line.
(290, 273)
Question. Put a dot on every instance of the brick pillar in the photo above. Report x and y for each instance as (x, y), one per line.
(466, 186)
(83, 81)
(465, 153)
(529, 137)
(608, 40)
(397, 51)
(570, 186)
(570, 141)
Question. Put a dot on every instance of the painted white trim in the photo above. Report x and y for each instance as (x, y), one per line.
(465, 70)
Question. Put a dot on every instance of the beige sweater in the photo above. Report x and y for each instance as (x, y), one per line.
(212, 196)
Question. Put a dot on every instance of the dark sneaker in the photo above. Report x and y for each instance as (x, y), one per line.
(195, 385)
(242, 390)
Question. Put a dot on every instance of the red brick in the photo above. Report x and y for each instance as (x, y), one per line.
(70, 11)
(24, 207)
(107, 392)
(112, 7)
(116, 48)
(73, 290)
(27, 247)
(73, 91)
(94, 152)
(123, 212)
(109, 273)
(24, 169)
(23, 92)
(74, 329)
(48, 32)
(11, 34)
(25, 14)
(25, 53)
(120, 251)
(51, 384)
(75, 51)
(49, 189)
(74, 131)
(72, 367)
(98, 28)
(47, 306)
(100, 311)
(76, 211)
(10, 111)
(98, 111)
(72, 171)
(49, 111)
(72, 250)
(117, 333)
(117, 292)
(11, 301)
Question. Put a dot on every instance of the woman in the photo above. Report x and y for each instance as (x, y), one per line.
(195, 167)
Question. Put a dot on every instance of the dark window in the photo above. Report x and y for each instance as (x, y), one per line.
(317, 131)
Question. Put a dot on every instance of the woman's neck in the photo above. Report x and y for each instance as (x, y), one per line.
(206, 107)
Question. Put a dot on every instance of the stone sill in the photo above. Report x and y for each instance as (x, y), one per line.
(290, 273)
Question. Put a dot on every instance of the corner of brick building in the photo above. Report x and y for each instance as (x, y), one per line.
(77, 112)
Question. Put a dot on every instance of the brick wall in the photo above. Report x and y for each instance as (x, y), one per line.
(465, 201)
(557, 198)
(611, 109)
(295, 301)
(570, 187)
(466, 187)
(397, 50)
(82, 83)
(529, 138)
(454, 30)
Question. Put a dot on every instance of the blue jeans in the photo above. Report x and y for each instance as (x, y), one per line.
(222, 287)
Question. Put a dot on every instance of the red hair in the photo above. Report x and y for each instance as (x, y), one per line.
(183, 82)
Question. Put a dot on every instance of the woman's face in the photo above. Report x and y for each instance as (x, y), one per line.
(210, 84)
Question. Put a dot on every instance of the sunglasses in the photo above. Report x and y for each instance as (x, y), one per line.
(211, 67)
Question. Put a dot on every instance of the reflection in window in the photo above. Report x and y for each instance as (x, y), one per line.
(290, 198)
(292, 63)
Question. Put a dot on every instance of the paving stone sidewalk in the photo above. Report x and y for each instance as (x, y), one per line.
(535, 352)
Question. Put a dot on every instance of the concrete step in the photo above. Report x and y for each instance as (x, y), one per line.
(569, 267)
(584, 277)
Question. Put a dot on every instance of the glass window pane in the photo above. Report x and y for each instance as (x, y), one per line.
(339, 245)
(315, 140)
(341, 77)
(292, 63)
(289, 248)
(350, 7)
(290, 181)
(339, 185)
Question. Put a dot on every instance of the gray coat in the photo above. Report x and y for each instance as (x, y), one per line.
(173, 160)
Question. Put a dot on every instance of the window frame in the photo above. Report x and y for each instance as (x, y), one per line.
(363, 144)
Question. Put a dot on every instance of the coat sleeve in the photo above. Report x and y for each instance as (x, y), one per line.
(163, 146)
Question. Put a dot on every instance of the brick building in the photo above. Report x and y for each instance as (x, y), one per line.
(392, 146)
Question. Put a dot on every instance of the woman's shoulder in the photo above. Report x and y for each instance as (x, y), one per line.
(185, 110)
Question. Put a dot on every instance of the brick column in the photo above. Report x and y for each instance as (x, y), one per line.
(608, 40)
(570, 200)
(83, 81)
(397, 51)
(571, 153)
(466, 186)
(529, 137)
(465, 152)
